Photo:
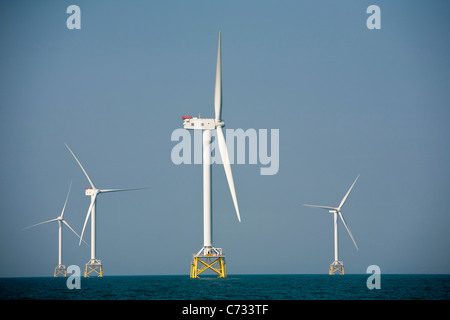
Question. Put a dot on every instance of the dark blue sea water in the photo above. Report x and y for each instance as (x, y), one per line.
(235, 287)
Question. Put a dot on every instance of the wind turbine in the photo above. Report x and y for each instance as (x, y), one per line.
(336, 265)
(94, 265)
(208, 252)
(60, 268)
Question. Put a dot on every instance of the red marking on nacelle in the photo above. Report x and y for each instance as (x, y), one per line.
(186, 117)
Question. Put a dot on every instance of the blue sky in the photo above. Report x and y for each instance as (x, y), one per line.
(346, 100)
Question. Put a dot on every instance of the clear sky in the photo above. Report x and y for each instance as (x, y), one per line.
(346, 100)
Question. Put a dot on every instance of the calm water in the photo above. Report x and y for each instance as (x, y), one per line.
(235, 287)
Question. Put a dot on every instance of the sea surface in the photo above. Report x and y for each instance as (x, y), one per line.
(235, 287)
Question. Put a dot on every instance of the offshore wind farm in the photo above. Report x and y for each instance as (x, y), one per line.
(328, 89)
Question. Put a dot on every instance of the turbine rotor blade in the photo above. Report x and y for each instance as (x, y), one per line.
(348, 192)
(116, 190)
(322, 207)
(70, 186)
(87, 216)
(348, 230)
(34, 225)
(92, 185)
(218, 88)
(64, 221)
(227, 167)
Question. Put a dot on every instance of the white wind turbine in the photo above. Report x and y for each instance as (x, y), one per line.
(60, 268)
(336, 265)
(206, 125)
(94, 265)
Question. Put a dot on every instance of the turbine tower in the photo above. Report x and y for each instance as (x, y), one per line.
(208, 255)
(60, 269)
(94, 265)
(336, 265)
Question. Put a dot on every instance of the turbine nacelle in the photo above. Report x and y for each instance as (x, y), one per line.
(194, 123)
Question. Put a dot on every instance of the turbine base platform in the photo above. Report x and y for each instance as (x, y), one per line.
(208, 258)
(337, 267)
(93, 268)
(60, 271)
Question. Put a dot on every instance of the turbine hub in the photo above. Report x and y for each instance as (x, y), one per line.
(219, 123)
(90, 191)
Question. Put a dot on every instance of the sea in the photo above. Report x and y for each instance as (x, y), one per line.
(234, 287)
(235, 297)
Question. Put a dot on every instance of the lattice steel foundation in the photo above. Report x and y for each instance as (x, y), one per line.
(337, 267)
(60, 271)
(209, 258)
(93, 268)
